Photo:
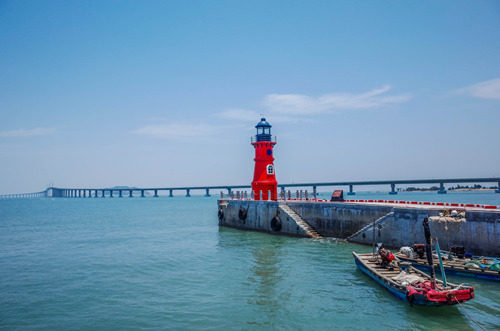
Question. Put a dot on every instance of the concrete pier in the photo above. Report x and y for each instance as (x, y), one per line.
(398, 225)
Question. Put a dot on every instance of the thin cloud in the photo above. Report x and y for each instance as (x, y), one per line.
(27, 133)
(239, 115)
(297, 104)
(489, 89)
(176, 130)
(251, 116)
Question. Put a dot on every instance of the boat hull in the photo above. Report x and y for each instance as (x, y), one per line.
(420, 299)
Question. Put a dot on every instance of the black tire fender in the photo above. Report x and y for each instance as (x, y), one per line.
(276, 224)
(242, 213)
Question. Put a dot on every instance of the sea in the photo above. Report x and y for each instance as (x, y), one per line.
(165, 264)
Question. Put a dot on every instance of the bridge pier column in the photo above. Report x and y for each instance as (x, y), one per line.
(79, 193)
(156, 194)
(95, 194)
(441, 189)
(120, 194)
(187, 193)
(393, 189)
(110, 193)
(171, 195)
(315, 193)
(84, 193)
(228, 191)
(498, 187)
(103, 194)
(207, 192)
(142, 193)
(351, 191)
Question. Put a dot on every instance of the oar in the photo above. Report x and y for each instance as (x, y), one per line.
(440, 262)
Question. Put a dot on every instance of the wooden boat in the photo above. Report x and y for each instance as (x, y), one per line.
(456, 266)
(410, 284)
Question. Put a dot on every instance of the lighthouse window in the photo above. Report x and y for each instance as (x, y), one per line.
(267, 130)
(270, 169)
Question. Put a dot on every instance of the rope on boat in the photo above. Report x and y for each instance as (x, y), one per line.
(473, 320)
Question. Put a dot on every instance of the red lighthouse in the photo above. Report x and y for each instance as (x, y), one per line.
(264, 178)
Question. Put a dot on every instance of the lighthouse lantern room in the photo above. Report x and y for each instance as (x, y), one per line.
(264, 184)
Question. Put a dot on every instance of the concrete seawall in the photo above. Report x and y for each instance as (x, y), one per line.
(479, 231)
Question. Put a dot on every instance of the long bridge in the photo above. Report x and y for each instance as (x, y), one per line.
(56, 192)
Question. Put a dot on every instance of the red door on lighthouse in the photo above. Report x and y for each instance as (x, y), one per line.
(264, 184)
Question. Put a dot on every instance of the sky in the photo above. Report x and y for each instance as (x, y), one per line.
(97, 94)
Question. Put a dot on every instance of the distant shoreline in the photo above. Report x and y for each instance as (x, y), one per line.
(453, 190)
(472, 189)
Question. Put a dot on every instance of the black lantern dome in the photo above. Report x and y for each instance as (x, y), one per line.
(263, 130)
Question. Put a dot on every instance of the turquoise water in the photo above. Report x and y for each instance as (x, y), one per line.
(163, 263)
